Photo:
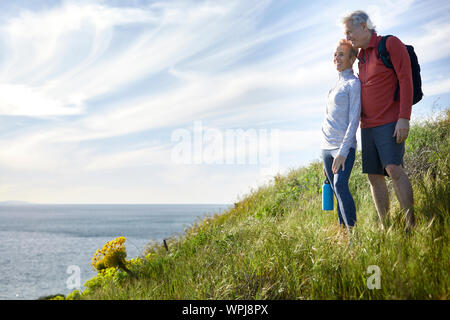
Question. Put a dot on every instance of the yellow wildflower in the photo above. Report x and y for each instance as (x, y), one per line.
(112, 255)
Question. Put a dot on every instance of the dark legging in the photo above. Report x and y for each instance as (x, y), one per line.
(339, 184)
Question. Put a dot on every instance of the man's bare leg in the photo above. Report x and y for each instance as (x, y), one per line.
(403, 191)
(380, 196)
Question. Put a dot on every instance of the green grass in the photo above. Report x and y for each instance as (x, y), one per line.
(277, 243)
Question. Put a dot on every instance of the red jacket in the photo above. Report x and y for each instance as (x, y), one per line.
(378, 83)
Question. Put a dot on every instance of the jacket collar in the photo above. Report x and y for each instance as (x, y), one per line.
(345, 73)
(372, 44)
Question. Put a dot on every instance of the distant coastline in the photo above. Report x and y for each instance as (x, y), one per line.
(16, 203)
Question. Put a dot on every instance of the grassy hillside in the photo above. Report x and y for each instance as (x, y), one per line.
(277, 243)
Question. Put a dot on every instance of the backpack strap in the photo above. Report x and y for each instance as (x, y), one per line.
(383, 54)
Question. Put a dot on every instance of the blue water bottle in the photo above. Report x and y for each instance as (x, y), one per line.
(327, 196)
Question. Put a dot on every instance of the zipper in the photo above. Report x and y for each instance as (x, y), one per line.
(366, 57)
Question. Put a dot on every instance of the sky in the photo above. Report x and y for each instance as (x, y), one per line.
(181, 101)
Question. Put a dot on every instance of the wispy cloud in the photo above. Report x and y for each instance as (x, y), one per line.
(432, 43)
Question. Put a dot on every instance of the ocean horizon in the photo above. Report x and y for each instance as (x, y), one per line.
(44, 244)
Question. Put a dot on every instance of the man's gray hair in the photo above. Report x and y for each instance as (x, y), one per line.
(358, 17)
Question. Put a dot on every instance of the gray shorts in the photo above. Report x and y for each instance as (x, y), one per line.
(379, 149)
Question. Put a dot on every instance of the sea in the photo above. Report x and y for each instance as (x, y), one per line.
(47, 249)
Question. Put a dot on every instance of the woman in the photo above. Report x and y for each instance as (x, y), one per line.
(339, 131)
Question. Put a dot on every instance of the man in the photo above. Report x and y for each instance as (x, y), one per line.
(384, 120)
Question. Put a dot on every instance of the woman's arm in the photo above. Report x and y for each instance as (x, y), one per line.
(353, 117)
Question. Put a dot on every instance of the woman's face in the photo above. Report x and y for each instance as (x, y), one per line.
(342, 58)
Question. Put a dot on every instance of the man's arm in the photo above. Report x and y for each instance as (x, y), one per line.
(402, 66)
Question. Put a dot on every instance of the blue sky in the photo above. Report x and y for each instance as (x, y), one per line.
(96, 96)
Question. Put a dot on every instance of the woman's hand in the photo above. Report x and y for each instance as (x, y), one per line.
(337, 163)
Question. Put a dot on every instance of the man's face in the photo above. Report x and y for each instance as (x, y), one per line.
(356, 34)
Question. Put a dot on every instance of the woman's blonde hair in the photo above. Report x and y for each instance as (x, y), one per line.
(353, 51)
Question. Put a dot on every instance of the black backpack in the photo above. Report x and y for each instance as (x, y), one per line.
(383, 54)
